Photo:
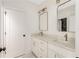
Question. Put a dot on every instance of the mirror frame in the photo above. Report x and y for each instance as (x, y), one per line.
(46, 20)
(58, 24)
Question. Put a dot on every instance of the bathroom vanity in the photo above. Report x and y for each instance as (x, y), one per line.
(53, 46)
(60, 44)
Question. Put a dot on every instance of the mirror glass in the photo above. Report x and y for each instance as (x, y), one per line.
(66, 22)
(66, 18)
(43, 20)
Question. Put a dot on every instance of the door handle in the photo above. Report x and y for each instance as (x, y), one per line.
(4, 48)
(1, 49)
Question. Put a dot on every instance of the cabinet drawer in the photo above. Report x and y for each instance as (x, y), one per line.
(43, 43)
(54, 54)
(59, 55)
(35, 42)
(35, 47)
(35, 51)
(51, 53)
(43, 53)
(43, 50)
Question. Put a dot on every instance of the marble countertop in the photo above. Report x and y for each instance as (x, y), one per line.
(56, 40)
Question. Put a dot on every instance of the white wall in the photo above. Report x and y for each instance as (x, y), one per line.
(72, 23)
(66, 12)
(0, 23)
(28, 8)
(52, 23)
(77, 28)
(52, 15)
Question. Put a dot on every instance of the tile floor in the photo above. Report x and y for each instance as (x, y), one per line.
(29, 55)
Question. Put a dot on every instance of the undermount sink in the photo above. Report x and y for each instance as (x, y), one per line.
(58, 39)
(62, 39)
(70, 43)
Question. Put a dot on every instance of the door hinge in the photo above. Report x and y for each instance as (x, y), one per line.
(5, 33)
(5, 12)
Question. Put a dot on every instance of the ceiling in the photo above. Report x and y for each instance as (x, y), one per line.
(37, 1)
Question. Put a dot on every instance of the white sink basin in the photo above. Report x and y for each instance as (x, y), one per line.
(70, 43)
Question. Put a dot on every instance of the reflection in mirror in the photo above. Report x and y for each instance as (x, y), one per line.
(63, 24)
(66, 18)
(43, 20)
(66, 21)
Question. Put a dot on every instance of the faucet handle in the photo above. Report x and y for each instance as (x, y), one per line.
(1, 49)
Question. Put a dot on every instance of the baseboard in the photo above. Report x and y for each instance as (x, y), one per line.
(34, 54)
(19, 55)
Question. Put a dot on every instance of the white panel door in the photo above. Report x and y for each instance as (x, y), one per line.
(15, 28)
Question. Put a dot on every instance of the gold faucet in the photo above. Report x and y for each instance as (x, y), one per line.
(66, 37)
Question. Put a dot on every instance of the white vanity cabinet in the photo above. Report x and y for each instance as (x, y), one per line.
(50, 49)
(39, 48)
(52, 53)
(43, 49)
(35, 47)
(55, 51)
(59, 55)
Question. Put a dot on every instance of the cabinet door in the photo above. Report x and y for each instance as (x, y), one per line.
(39, 48)
(51, 53)
(35, 47)
(43, 52)
(59, 55)
(43, 49)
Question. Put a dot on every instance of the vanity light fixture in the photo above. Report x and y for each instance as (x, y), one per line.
(43, 11)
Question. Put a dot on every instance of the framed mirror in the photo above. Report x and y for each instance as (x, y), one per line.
(66, 17)
(43, 20)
